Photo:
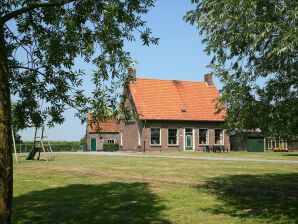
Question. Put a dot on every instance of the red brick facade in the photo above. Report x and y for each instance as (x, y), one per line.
(131, 141)
(137, 137)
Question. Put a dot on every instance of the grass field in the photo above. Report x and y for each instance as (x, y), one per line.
(234, 154)
(105, 189)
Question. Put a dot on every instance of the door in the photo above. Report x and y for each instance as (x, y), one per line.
(255, 144)
(93, 144)
(188, 139)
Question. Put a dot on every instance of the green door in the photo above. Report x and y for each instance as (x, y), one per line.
(93, 144)
(255, 144)
(188, 139)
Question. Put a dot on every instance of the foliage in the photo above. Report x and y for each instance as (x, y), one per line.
(40, 43)
(254, 51)
(45, 38)
(83, 142)
(110, 147)
(57, 146)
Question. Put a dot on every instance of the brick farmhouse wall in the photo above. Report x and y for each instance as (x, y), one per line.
(101, 138)
(130, 135)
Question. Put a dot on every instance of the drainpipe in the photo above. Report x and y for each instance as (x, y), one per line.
(145, 136)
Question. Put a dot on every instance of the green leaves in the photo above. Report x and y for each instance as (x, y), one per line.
(254, 47)
(51, 35)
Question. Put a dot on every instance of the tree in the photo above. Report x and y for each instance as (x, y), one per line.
(39, 43)
(254, 48)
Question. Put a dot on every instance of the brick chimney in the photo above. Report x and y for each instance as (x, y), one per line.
(208, 79)
(132, 72)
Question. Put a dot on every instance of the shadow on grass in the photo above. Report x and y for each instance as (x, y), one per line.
(113, 202)
(295, 154)
(272, 198)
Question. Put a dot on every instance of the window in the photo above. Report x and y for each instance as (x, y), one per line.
(155, 136)
(203, 136)
(133, 110)
(172, 136)
(110, 141)
(219, 136)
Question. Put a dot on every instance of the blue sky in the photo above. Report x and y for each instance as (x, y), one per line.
(180, 55)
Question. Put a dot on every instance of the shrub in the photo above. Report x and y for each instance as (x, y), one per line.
(110, 147)
(57, 146)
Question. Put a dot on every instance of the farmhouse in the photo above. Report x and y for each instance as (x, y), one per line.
(101, 133)
(173, 116)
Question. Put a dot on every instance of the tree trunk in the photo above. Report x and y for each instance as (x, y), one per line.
(5, 136)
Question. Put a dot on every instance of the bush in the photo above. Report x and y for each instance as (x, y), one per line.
(57, 146)
(110, 147)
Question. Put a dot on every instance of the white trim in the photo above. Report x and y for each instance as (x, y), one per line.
(223, 136)
(193, 139)
(208, 137)
(193, 134)
(183, 141)
(139, 137)
(159, 137)
(111, 139)
(121, 138)
(177, 144)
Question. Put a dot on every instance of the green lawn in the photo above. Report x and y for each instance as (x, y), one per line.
(249, 155)
(105, 189)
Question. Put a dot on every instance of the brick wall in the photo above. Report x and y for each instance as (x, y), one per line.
(101, 138)
(130, 135)
(129, 132)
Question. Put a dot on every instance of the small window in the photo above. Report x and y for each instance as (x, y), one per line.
(203, 137)
(121, 139)
(219, 136)
(111, 141)
(155, 136)
(172, 136)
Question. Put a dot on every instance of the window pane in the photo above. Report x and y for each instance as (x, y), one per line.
(155, 136)
(188, 130)
(203, 136)
(218, 136)
(172, 136)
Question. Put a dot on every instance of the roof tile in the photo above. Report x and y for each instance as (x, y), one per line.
(165, 99)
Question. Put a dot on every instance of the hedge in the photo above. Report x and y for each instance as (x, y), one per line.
(110, 147)
(57, 146)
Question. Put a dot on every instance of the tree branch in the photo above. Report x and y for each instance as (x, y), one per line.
(30, 7)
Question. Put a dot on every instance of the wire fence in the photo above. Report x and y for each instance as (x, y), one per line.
(64, 146)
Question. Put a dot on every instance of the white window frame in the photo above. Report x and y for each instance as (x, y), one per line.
(111, 139)
(177, 136)
(208, 138)
(193, 139)
(223, 136)
(159, 136)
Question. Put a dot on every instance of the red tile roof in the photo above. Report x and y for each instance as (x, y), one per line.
(167, 99)
(110, 125)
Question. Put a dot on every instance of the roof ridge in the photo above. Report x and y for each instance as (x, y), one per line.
(172, 80)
